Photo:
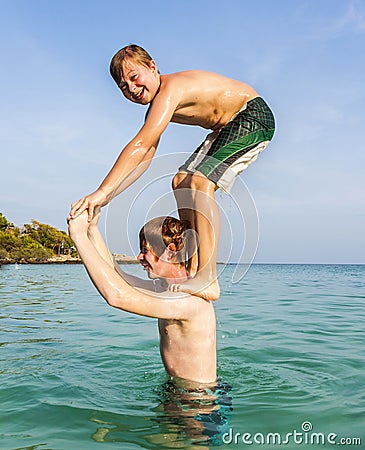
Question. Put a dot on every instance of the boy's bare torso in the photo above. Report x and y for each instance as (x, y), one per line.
(204, 98)
(188, 347)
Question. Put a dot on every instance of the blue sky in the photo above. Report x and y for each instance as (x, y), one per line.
(63, 121)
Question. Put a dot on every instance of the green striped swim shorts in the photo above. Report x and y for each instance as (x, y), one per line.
(226, 153)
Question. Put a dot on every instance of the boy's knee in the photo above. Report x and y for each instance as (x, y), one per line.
(196, 181)
(181, 180)
(200, 182)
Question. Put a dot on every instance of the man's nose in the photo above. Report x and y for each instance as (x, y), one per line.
(140, 256)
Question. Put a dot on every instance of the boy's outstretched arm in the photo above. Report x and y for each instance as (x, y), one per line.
(135, 158)
(132, 162)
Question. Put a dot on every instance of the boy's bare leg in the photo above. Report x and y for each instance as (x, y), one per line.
(196, 191)
(207, 225)
(185, 202)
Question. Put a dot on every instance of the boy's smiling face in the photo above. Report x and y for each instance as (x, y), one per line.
(149, 261)
(139, 83)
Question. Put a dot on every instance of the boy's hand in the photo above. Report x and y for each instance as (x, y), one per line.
(78, 226)
(95, 219)
(90, 203)
(93, 225)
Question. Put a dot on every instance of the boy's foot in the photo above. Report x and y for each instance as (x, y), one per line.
(201, 288)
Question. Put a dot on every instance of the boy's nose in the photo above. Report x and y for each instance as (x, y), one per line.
(131, 87)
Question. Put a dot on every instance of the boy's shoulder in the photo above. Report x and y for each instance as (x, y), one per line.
(185, 75)
(178, 84)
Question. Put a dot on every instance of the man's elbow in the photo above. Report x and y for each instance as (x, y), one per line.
(113, 300)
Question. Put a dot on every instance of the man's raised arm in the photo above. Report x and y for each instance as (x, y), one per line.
(97, 240)
(116, 291)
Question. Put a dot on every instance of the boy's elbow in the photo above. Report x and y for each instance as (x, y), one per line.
(144, 145)
(116, 295)
(113, 300)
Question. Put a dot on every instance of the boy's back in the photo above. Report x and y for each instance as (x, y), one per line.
(204, 98)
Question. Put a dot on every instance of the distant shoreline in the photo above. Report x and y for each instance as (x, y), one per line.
(62, 259)
(66, 259)
(124, 259)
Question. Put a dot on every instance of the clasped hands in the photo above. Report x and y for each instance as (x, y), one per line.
(91, 203)
(85, 213)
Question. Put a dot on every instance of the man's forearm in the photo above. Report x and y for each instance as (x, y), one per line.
(118, 293)
(99, 244)
(102, 273)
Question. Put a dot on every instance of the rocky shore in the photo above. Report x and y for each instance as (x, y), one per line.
(121, 258)
(62, 259)
(66, 259)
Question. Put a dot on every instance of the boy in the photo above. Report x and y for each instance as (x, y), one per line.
(186, 323)
(242, 126)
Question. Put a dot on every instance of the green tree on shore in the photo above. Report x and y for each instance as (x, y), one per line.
(4, 223)
(34, 242)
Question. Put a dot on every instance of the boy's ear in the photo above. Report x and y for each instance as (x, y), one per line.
(171, 250)
(172, 247)
(153, 65)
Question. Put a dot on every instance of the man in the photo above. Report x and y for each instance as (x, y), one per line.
(186, 323)
(242, 125)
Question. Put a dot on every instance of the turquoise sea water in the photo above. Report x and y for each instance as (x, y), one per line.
(77, 374)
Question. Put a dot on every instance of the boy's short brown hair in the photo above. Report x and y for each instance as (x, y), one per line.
(133, 52)
(160, 232)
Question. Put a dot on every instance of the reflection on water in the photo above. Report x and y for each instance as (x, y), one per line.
(184, 418)
(197, 415)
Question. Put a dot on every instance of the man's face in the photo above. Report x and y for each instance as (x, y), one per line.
(149, 261)
(139, 83)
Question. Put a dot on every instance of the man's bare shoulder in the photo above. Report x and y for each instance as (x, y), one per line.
(166, 294)
(169, 305)
(184, 297)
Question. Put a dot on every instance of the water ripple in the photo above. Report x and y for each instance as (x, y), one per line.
(75, 373)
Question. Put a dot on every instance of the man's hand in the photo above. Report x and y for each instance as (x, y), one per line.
(91, 203)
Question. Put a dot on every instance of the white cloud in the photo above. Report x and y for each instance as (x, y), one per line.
(353, 19)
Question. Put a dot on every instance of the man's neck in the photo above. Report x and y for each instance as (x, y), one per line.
(178, 275)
